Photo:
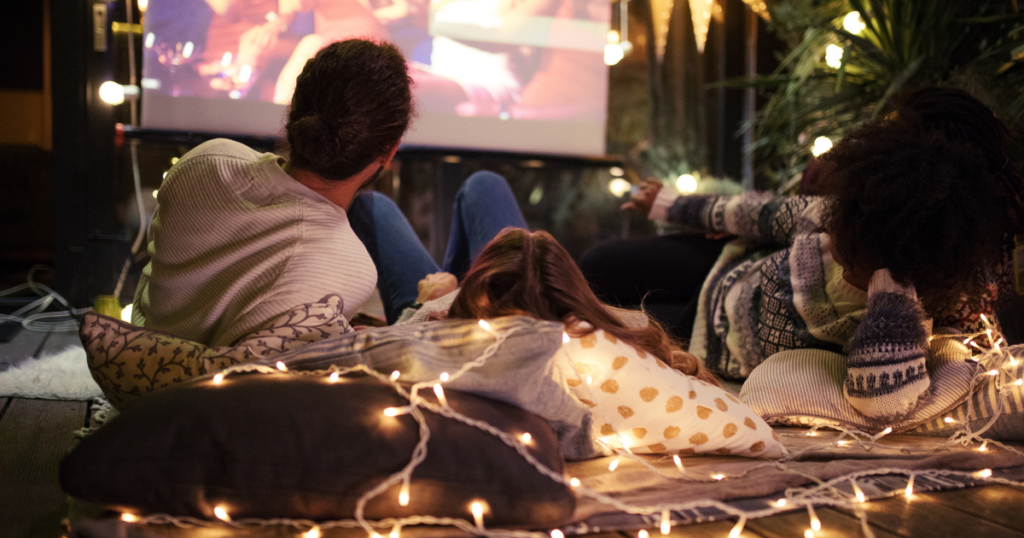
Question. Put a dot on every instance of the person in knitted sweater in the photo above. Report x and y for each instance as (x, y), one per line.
(911, 241)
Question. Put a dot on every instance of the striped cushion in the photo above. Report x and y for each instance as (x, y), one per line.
(804, 387)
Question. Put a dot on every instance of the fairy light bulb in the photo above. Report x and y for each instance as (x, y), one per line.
(614, 464)
(574, 482)
(403, 495)
(395, 375)
(565, 338)
(439, 392)
(129, 518)
(821, 145)
(333, 377)
(484, 325)
(444, 376)
(983, 447)
(780, 503)
(738, 529)
(218, 379)
(666, 523)
(395, 531)
(313, 532)
(948, 420)
(1019, 382)
(992, 372)
(679, 463)
(686, 184)
(909, 492)
(557, 534)
(526, 438)
(808, 533)
(984, 473)
(718, 476)
(477, 509)
(815, 522)
(281, 366)
(854, 23)
(643, 534)
(857, 492)
(221, 513)
(590, 379)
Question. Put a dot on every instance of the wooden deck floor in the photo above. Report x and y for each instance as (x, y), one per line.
(35, 434)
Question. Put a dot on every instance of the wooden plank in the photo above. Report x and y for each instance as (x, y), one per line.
(923, 517)
(795, 523)
(998, 504)
(34, 436)
(700, 530)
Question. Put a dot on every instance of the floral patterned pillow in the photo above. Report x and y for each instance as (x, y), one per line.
(128, 361)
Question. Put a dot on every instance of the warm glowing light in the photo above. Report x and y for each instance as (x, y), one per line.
(143, 4)
(815, 522)
(735, 532)
(910, 487)
(333, 378)
(619, 187)
(112, 93)
(244, 73)
(887, 431)
(221, 514)
(821, 145)
(395, 531)
(281, 366)
(129, 518)
(718, 476)
(616, 171)
(486, 326)
(477, 508)
(679, 463)
(614, 38)
(780, 503)
(526, 438)
(590, 379)
(842, 443)
(150, 39)
(439, 392)
(614, 464)
(812, 433)
(395, 411)
(226, 59)
(155, 191)
(985, 319)
(313, 532)
(403, 495)
(186, 51)
(574, 482)
(444, 376)
(808, 533)
(983, 447)
(1019, 382)
(218, 379)
(857, 492)
(834, 56)
(395, 374)
(984, 473)
(126, 312)
(557, 534)
(613, 53)
(854, 23)
(686, 184)
(666, 523)
(992, 372)
(643, 534)
(565, 338)
(948, 420)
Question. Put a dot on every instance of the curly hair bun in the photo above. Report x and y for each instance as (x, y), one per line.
(352, 104)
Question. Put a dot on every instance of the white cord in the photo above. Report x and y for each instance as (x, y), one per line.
(33, 316)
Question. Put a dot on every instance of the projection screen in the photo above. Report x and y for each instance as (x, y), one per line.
(512, 75)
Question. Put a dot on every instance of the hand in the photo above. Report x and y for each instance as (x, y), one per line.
(641, 202)
(436, 285)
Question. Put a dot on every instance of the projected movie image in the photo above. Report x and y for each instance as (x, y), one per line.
(518, 75)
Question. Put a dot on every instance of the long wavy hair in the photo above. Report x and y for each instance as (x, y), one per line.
(521, 272)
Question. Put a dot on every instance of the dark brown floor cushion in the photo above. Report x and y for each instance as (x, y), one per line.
(295, 446)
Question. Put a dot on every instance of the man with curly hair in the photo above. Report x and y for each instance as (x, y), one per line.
(913, 239)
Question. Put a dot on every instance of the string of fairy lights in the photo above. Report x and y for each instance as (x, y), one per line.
(995, 364)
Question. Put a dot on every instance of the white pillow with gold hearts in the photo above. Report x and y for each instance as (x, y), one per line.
(639, 401)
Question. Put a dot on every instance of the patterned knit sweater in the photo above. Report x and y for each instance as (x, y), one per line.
(776, 288)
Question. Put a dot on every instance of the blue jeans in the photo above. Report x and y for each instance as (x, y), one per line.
(483, 207)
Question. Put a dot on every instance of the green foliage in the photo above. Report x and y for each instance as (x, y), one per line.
(975, 45)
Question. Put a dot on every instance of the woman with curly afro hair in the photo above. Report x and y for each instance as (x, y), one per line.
(912, 239)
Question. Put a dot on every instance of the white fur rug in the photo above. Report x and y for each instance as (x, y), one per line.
(63, 376)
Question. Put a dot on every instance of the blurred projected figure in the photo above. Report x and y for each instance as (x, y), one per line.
(333, 20)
